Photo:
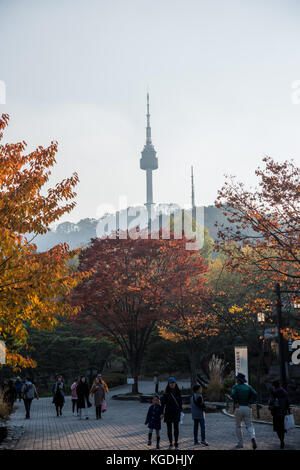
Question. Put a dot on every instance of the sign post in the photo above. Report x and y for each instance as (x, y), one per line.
(2, 353)
(241, 360)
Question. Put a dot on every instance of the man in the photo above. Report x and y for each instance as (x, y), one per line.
(243, 396)
(29, 393)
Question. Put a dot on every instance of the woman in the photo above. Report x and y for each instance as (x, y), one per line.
(74, 397)
(83, 392)
(59, 395)
(171, 409)
(279, 407)
(99, 396)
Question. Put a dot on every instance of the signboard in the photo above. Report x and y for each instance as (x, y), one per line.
(130, 381)
(241, 360)
(2, 353)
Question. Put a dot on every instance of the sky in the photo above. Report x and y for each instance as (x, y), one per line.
(220, 76)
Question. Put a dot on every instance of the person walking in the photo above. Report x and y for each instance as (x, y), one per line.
(153, 419)
(279, 406)
(74, 397)
(83, 392)
(98, 392)
(198, 414)
(243, 396)
(29, 392)
(171, 409)
(18, 385)
(58, 395)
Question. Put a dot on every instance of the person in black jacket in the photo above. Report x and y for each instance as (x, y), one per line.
(279, 406)
(83, 392)
(171, 409)
(59, 395)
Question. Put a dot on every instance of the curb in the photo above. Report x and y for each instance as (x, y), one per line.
(254, 420)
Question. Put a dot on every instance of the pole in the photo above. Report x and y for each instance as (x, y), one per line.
(280, 338)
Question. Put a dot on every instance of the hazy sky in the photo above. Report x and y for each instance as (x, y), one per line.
(220, 75)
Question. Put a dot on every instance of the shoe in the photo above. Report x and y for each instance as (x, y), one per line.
(170, 446)
(204, 443)
(196, 443)
(282, 445)
(86, 417)
(176, 446)
(254, 445)
(157, 446)
(239, 446)
(149, 443)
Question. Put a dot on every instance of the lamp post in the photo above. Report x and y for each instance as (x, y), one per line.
(280, 338)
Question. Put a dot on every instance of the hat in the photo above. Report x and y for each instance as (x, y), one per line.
(241, 377)
(171, 380)
(156, 396)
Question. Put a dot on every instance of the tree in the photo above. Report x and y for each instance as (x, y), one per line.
(191, 319)
(125, 295)
(33, 285)
(266, 219)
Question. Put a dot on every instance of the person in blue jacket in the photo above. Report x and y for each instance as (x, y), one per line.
(153, 420)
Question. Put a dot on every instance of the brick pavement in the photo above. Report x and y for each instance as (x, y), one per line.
(122, 427)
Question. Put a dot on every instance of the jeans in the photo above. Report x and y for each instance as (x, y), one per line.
(27, 403)
(176, 431)
(200, 421)
(98, 411)
(243, 413)
(74, 405)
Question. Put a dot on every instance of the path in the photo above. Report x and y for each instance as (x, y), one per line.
(122, 427)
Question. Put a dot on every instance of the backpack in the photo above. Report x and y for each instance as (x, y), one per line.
(29, 391)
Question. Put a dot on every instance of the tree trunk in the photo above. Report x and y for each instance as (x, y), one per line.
(193, 364)
(135, 385)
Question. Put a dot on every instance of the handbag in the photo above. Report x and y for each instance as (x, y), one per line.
(289, 422)
(181, 417)
(103, 406)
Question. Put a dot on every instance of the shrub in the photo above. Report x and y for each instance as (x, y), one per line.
(4, 408)
(216, 368)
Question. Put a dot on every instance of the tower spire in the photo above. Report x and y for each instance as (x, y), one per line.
(193, 189)
(148, 128)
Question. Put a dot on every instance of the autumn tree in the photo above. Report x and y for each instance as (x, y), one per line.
(126, 293)
(266, 218)
(33, 285)
(192, 321)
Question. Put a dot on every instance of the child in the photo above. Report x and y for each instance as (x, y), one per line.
(198, 414)
(153, 419)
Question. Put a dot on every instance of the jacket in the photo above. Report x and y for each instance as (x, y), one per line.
(243, 394)
(73, 391)
(171, 406)
(153, 417)
(83, 392)
(197, 406)
(29, 391)
(99, 394)
(279, 403)
(58, 393)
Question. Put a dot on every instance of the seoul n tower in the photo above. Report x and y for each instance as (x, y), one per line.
(149, 162)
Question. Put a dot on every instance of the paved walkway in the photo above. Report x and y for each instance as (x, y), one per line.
(122, 427)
